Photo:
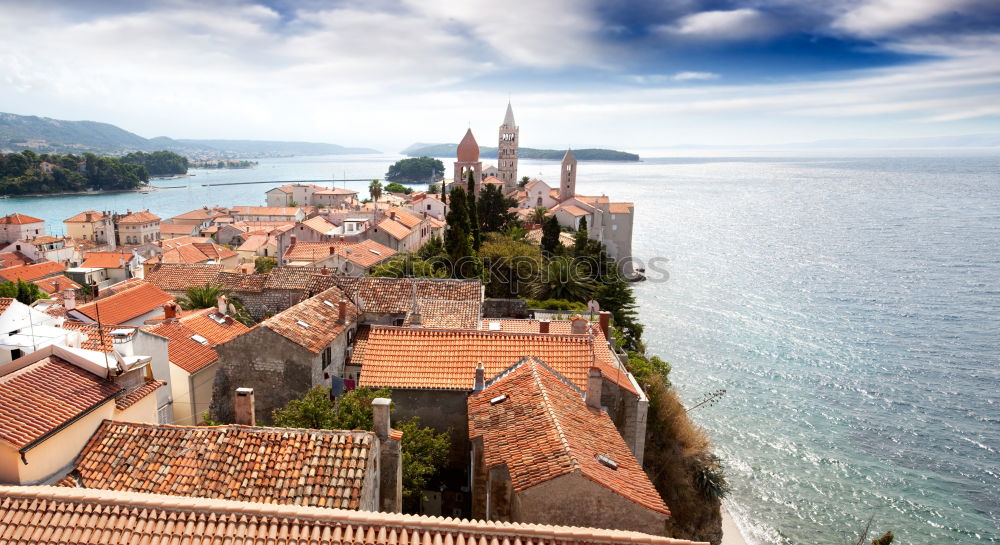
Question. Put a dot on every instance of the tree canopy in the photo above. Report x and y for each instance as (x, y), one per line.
(158, 163)
(398, 188)
(417, 169)
(28, 172)
(25, 292)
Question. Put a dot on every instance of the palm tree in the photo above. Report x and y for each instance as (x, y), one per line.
(375, 190)
(538, 215)
(197, 297)
(562, 278)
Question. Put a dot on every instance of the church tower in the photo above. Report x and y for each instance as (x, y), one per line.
(567, 176)
(467, 156)
(507, 152)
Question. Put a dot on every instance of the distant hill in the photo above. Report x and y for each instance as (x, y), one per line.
(43, 134)
(587, 154)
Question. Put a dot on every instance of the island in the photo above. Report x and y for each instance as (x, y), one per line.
(28, 173)
(586, 154)
(415, 170)
(223, 164)
(159, 163)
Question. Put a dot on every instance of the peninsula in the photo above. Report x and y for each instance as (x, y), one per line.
(586, 154)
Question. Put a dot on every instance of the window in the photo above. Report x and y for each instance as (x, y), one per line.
(163, 415)
(327, 357)
(614, 227)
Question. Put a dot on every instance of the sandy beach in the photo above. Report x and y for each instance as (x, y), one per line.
(730, 532)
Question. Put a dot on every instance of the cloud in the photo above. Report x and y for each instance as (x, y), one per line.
(694, 76)
(876, 18)
(737, 24)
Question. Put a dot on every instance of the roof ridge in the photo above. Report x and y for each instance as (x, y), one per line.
(234, 427)
(423, 523)
(555, 418)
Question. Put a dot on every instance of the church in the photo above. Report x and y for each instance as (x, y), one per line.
(607, 222)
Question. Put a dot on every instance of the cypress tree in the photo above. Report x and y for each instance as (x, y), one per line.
(550, 235)
(456, 238)
(476, 228)
(581, 237)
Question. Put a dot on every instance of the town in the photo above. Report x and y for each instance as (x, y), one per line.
(312, 353)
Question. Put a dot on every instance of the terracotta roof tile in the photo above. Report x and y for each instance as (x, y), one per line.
(365, 253)
(176, 229)
(357, 354)
(18, 219)
(37, 399)
(133, 397)
(182, 350)
(5, 303)
(288, 278)
(289, 211)
(213, 326)
(126, 305)
(95, 339)
(407, 357)
(179, 276)
(87, 216)
(309, 252)
(176, 242)
(44, 515)
(241, 283)
(319, 224)
(142, 216)
(320, 314)
(445, 314)
(48, 285)
(336, 191)
(404, 216)
(394, 228)
(621, 207)
(32, 272)
(13, 259)
(545, 429)
(395, 295)
(323, 468)
(107, 260)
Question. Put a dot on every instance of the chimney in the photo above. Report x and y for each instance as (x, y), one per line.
(324, 271)
(579, 325)
(480, 378)
(169, 312)
(543, 326)
(604, 319)
(392, 215)
(594, 388)
(342, 311)
(69, 299)
(223, 304)
(244, 406)
(333, 250)
(390, 458)
(341, 239)
(55, 286)
(293, 240)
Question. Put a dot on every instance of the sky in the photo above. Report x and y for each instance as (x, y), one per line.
(622, 74)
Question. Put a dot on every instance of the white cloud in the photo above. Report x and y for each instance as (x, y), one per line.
(694, 76)
(875, 18)
(737, 24)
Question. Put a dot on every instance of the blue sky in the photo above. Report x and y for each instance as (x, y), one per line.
(624, 74)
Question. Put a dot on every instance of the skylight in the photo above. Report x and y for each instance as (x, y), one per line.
(606, 461)
(494, 326)
(199, 339)
(327, 303)
(499, 399)
(376, 252)
(301, 323)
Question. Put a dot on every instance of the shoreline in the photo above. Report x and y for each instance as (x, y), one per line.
(146, 189)
(731, 534)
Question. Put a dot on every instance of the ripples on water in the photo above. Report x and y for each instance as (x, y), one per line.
(851, 308)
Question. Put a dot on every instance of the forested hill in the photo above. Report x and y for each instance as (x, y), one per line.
(46, 135)
(586, 154)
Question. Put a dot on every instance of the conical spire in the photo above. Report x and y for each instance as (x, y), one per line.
(508, 119)
(569, 157)
(468, 149)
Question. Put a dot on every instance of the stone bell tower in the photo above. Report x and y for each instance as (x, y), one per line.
(467, 156)
(567, 176)
(507, 152)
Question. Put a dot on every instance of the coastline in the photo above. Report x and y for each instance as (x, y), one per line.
(145, 189)
(731, 534)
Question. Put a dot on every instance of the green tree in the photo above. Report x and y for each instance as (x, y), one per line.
(538, 215)
(423, 449)
(550, 236)
(581, 238)
(524, 181)
(456, 238)
(158, 163)
(197, 297)
(563, 278)
(475, 227)
(510, 264)
(433, 248)
(263, 265)
(375, 190)
(416, 169)
(406, 266)
(398, 188)
(25, 292)
(615, 296)
(494, 209)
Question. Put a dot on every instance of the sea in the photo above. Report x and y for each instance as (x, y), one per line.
(848, 304)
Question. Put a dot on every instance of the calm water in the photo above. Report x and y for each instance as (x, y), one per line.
(850, 307)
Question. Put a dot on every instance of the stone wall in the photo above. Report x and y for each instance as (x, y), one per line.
(506, 308)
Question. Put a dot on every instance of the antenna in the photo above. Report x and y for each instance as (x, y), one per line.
(100, 333)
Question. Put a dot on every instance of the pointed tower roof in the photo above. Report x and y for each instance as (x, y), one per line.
(569, 157)
(468, 149)
(508, 119)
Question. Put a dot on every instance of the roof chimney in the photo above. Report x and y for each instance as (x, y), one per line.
(480, 378)
(244, 406)
(55, 286)
(324, 271)
(604, 319)
(543, 326)
(293, 240)
(341, 239)
(69, 299)
(594, 388)
(170, 311)
(342, 311)
(380, 417)
(579, 325)
(333, 250)
(392, 215)
(223, 304)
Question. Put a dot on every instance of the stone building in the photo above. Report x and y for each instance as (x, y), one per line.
(135, 228)
(507, 152)
(93, 226)
(286, 355)
(544, 452)
(20, 227)
(311, 195)
(467, 160)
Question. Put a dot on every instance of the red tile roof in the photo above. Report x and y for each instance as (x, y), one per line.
(107, 260)
(142, 216)
(319, 224)
(95, 339)
(407, 357)
(213, 326)
(176, 229)
(394, 228)
(38, 399)
(45, 515)
(5, 303)
(179, 276)
(13, 259)
(404, 216)
(366, 253)
(309, 251)
(130, 303)
(288, 278)
(320, 314)
(88, 216)
(545, 429)
(182, 350)
(288, 211)
(621, 207)
(18, 219)
(32, 272)
(148, 387)
(395, 295)
(48, 285)
(322, 468)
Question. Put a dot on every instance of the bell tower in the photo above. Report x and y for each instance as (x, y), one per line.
(567, 176)
(507, 152)
(467, 156)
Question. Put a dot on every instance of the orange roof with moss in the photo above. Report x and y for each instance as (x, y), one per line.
(132, 302)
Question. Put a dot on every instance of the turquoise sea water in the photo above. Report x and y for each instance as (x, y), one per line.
(849, 306)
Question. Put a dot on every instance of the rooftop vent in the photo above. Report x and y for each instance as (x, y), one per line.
(219, 318)
(329, 304)
(376, 252)
(494, 326)
(606, 462)
(301, 323)
(499, 399)
(121, 332)
(199, 339)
